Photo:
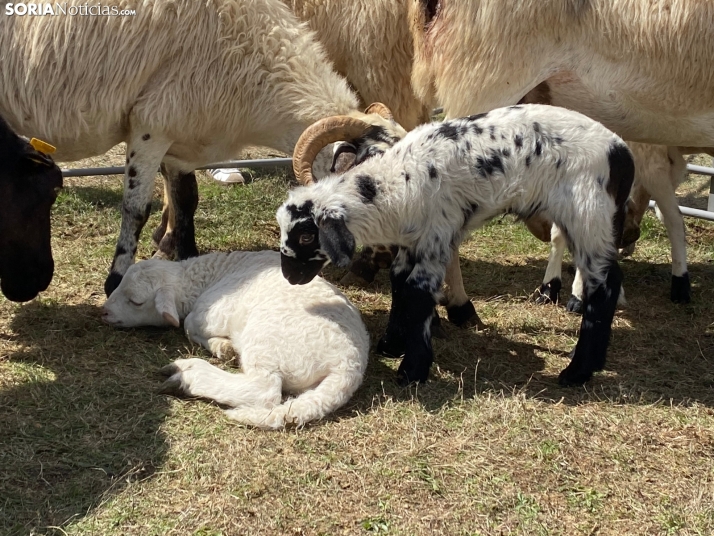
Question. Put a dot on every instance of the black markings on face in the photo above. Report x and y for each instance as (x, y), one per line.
(304, 211)
(492, 132)
(132, 184)
(528, 160)
(132, 171)
(518, 140)
(146, 137)
(557, 140)
(131, 154)
(433, 174)
(558, 163)
(406, 177)
(367, 188)
(506, 153)
(297, 240)
(538, 148)
(536, 127)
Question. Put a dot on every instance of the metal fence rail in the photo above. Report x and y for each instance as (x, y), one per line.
(284, 162)
(119, 170)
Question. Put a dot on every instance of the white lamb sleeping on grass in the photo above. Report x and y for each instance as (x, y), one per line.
(305, 340)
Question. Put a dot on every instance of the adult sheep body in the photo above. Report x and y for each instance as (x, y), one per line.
(640, 68)
(444, 179)
(183, 83)
(308, 341)
(645, 65)
(29, 181)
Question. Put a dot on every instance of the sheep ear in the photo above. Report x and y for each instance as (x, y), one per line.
(344, 158)
(165, 302)
(337, 241)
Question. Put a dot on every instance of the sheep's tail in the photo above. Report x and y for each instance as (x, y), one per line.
(331, 393)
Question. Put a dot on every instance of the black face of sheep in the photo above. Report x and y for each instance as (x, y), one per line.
(28, 187)
(309, 246)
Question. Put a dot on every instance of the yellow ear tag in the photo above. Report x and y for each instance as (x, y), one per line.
(42, 146)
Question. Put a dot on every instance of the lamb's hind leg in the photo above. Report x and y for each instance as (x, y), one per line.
(459, 308)
(332, 393)
(196, 377)
(602, 279)
(145, 150)
(549, 291)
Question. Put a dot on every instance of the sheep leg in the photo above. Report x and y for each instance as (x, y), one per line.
(418, 299)
(196, 377)
(549, 291)
(179, 239)
(332, 393)
(664, 196)
(459, 308)
(166, 217)
(602, 286)
(418, 353)
(219, 344)
(393, 344)
(144, 154)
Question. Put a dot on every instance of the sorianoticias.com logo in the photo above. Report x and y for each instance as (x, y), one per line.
(63, 8)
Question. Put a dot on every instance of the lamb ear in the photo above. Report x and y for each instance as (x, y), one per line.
(165, 302)
(337, 241)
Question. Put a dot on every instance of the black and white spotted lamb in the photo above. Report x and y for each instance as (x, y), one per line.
(444, 179)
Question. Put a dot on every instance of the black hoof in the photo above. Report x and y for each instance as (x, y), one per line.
(171, 387)
(169, 370)
(390, 347)
(548, 292)
(629, 236)
(407, 376)
(681, 289)
(571, 376)
(112, 282)
(464, 316)
(575, 305)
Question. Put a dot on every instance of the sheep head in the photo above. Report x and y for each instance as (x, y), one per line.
(363, 135)
(310, 238)
(146, 296)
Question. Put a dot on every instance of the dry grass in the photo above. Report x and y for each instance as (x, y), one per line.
(491, 445)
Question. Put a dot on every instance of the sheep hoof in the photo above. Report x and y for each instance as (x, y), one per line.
(627, 251)
(681, 289)
(575, 305)
(465, 316)
(571, 376)
(169, 370)
(389, 346)
(112, 282)
(629, 236)
(172, 386)
(405, 378)
(547, 293)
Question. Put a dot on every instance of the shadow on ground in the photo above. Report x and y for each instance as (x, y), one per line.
(86, 424)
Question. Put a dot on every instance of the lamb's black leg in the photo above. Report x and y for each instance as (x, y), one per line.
(599, 307)
(418, 355)
(392, 344)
